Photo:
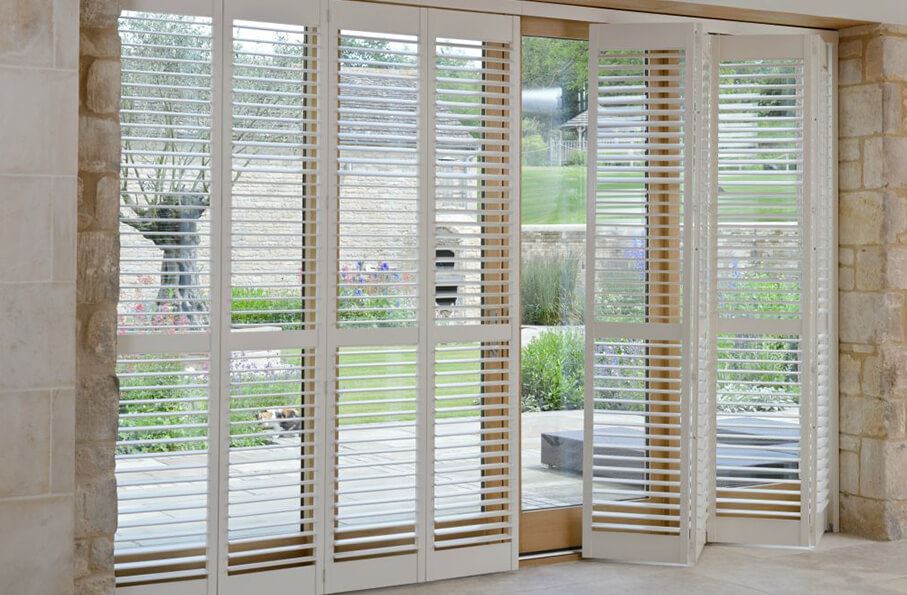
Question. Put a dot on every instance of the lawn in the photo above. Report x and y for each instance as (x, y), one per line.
(553, 194)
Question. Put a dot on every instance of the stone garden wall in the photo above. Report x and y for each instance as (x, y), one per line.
(873, 281)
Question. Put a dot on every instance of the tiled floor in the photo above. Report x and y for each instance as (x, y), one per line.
(841, 564)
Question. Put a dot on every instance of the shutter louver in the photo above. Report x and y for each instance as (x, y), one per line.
(165, 123)
(162, 468)
(645, 122)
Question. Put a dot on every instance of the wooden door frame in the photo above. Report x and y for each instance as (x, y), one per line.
(551, 529)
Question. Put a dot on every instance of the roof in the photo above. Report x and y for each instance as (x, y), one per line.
(580, 120)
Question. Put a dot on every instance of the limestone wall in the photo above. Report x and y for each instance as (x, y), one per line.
(873, 280)
(38, 121)
(96, 406)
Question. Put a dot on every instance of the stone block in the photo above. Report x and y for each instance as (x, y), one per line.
(26, 34)
(895, 217)
(850, 48)
(25, 439)
(845, 278)
(850, 176)
(38, 109)
(850, 72)
(100, 336)
(892, 108)
(25, 221)
(850, 472)
(98, 267)
(859, 318)
(895, 158)
(99, 144)
(849, 149)
(873, 162)
(849, 374)
(102, 87)
(63, 444)
(870, 269)
(97, 408)
(860, 218)
(96, 507)
(849, 443)
(896, 268)
(860, 110)
(107, 203)
(99, 13)
(37, 545)
(39, 343)
(894, 58)
(871, 376)
(64, 223)
(845, 256)
(99, 42)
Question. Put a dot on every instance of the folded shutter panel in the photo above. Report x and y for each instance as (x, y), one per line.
(764, 434)
(165, 437)
(374, 514)
(641, 349)
(473, 118)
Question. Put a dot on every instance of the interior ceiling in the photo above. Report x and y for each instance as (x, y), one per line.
(717, 12)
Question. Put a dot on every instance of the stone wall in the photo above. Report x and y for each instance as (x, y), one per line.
(873, 281)
(38, 120)
(96, 406)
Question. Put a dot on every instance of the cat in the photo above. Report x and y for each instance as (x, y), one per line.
(285, 420)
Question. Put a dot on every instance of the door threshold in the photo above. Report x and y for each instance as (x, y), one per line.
(555, 557)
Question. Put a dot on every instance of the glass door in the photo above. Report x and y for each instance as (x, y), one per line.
(552, 286)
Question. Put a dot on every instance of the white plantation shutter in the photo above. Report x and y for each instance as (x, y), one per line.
(167, 432)
(472, 490)
(641, 343)
(374, 513)
(422, 404)
(769, 204)
(272, 216)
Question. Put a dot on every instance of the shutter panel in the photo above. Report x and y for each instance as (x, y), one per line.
(765, 443)
(272, 217)
(641, 344)
(473, 484)
(163, 468)
(375, 514)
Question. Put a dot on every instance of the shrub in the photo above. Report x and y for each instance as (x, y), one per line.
(552, 371)
(736, 398)
(548, 290)
(577, 157)
(535, 150)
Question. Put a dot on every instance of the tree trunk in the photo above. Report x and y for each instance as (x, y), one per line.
(180, 292)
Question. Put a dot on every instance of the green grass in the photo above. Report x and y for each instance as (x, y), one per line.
(552, 194)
